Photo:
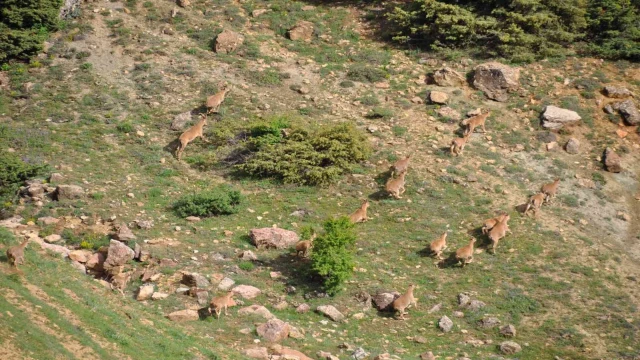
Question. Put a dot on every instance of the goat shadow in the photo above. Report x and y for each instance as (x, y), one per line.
(521, 208)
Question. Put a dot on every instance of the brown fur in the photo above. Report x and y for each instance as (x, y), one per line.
(191, 134)
(490, 223)
(219, 303)
(214, 101)
(458, 144)
(550, 190)
(304, 247)
(465, 253)
(15, 254)
(498, 232)
(476, 121)
(400, 166)
(395, 186)
(439, 245)
(405, 301)
(534, 203)
(360, 215)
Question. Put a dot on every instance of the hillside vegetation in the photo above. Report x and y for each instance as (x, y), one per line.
(129, 245)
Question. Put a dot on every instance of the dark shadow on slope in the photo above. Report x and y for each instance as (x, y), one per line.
(296, 271)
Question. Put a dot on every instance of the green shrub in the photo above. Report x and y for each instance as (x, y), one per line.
(613, 30)
(347, 84)
(332, 256)
(13, 173)
(305, 157)
(221, 200)
(125, 127)
(246, 266)
(267, 132)
(364, 73)
(25, 25)
(380, 113)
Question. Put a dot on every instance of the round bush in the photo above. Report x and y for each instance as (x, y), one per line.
(222, 200)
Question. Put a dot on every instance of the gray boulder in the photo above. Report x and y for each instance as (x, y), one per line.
(228, 41)
(447, 77)
(69, 192)
(555, 118)
(496, 80)
(629, 112)
(616, 92)
(273, 238)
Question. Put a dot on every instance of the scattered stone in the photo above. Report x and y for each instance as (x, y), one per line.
(609, 109)
(476, 305)
(623, 216)
(629, 112)
(331, 312)
(80, 256)
(572, 146)
(510, 347)
(183, 3)
(69, 192)
(195, 280)
(274, 330)
(552, 146)
(458, 314)
(488, 322)
(182, 290)
(47, 220)
(420, 339)
(496, 80)
(302, 30)
(445, 324)
(372, 128)
(450, 113)
(463, 299)
(382, 85)
(53, 238)
(117, 255)
(58, 249)
(288, 353)
(384, 300)
(359, 354)
(303, 308)
(56, 177)
(273, 238)
(435, 308)
(159, 296)
(226, 284)
(180, 121)
(296, 333)
(612, 161)
(448, 77)
(256, 310)
(145, 292)
(95, 262)
(192, 218)
(508, 330)
(246, 291)
(256, 353)
(183, 315)
(417, 100)
(228, 41)
(616, 92)
(124, 234)
(555, 118)
(622, 133)
(248, 255)
(281, 305)
(427, 356)
(78, 266)
(438, 97)
(308, 8)
(144, 224)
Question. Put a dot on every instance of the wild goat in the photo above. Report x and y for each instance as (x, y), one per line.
(534, 203)
(400, 166)
(498, 232)
(221, 302)
(473, 122)
(395, 186)
(360, 215)
(405, 301)
(465, 253)
(550, 190)
(191, 134)
(458, 144)
(304, 247)
(490, 223)
(214, 101)
(15, 254)
(439, 245)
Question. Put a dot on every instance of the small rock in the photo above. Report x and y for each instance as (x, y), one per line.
(248, 255)
(274, 330)
(330, 312)
(144, 224)
(192, 218)
(417, 100)
(496, 80)
(145, 292)
(180, 121)
(124, 234)
(372, 128)
(183, 3)
(382, 85)
(117, 255)
(572, 146)
(56, 177)
(256, 353)
(159, 296)
(226, 284)
(458, 314)
(182, 290)
(359, 354)
(510, 347)
(385, 356)
(296, 333)
(587, 183)
(445, 324)
(448, 77)
(427, 356)
(303, 308)
(228, 41)
(384, 300)
(303, 90)
(69, 192)
(420, 339)
(612, 161)
(616, 92)
(629, 112)
(184, 315)
(53, 238)
(623, 216)
(463, 299)
(303, 30)
(95, 262)
(256, 310)
(80, 256)
(273, 238)
(438, 97)
(450, 113)
(552, 146)
(47, 220)
(76, 265)
(195, 280)
(435, 308)
(508, 331)
(488, 322)
(246, 291)
(622, 133)
(555, 118)
(258, 12)
(476, 305)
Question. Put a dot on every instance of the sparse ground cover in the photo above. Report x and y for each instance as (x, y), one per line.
(98, 108)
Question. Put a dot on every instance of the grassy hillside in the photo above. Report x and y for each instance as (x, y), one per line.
(97, 107)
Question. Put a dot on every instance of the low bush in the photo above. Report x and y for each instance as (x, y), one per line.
(363, 73)
(221, 200)
(306, 157)
(13, 173)
(332, 256)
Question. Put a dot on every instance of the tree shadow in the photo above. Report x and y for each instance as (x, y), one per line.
(521, 208)
(296, 271)
(380, 195)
